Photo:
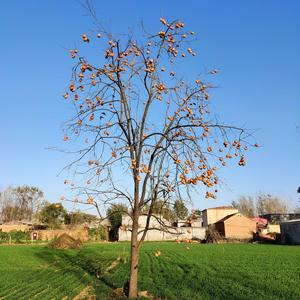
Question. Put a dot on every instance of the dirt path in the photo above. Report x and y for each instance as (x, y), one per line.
(86, 293)
(113, 265)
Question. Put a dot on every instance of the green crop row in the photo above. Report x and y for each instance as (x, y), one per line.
(193, 271)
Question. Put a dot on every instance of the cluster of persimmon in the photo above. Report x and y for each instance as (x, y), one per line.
(150, 66)
(187, 241)
(206, 180)
(90, 200)
(210, 195)
(92, 162)
(207, 175)
(169, 37)
(143, 168)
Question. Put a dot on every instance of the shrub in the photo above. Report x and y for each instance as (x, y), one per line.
(98, 234)
(4, 237)
(18, 236)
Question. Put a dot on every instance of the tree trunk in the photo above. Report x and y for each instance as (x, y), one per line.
(133, 280)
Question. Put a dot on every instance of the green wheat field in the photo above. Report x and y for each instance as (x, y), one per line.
(204, 271)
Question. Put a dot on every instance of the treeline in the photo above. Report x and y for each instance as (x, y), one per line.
(20, 203)
(27, 203)
(261, 204)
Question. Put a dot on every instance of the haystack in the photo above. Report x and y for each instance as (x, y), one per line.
(213, 236)
(65, 242)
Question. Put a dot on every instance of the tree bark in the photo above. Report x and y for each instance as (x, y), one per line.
(133, 280)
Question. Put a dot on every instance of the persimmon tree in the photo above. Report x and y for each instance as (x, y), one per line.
(141, 131)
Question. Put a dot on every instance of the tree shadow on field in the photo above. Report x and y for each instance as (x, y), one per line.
(79, 263)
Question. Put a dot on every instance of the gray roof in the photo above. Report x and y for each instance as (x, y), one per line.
(291, 221)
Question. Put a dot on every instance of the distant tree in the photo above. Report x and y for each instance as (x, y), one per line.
(53, 215)
(245, 205)
(268, 204)
(115, 213)
(297, 210)
(20, 203)
(161, 208)
(298, 191)
(180, 210)
(79, 218)
(99, 233)
(197, 212)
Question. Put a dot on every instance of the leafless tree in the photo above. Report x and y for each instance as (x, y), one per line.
(268, 204)
(147, 133)
(245, 205)
(20, 203)
(261, 204)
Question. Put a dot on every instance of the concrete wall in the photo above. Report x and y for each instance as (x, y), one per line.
(213, 215)
(274, 228)
(239, 227)
(159, 233)
(152, 235)
(127, 221)
(192, 232)
(197, 223)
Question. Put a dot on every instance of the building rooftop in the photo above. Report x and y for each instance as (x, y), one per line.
(220, 207)
(226, 218)
(291, 221)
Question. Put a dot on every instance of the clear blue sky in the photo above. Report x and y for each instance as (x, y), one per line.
(255, 44)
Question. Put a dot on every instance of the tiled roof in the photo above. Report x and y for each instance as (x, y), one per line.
(226, 218)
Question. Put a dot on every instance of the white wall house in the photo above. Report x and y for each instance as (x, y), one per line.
(159, 232)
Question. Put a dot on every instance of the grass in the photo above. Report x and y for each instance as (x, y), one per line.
(207, 271)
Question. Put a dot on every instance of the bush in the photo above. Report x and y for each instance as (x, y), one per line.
(15, 236)
(98, 234)
(4, 237)
(18, 236)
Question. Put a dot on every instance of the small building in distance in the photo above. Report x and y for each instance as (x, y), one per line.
(213, 215)
(290, 232)
(157, 224)
(236, 226)
(275, 219)
(278, 218)
(260, 222)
